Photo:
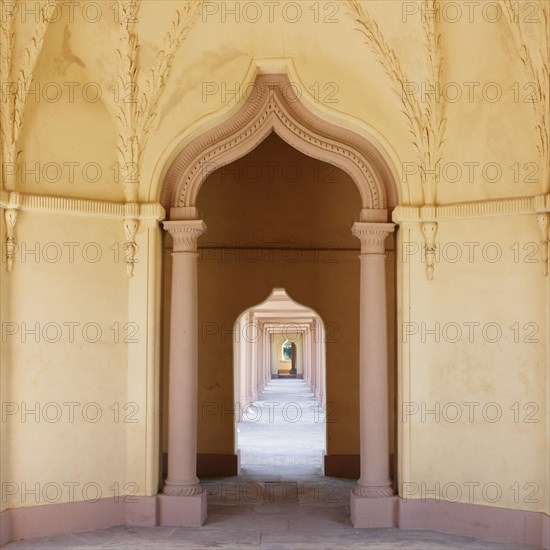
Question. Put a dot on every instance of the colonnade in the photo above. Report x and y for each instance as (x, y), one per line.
(254, 338)
(374, 491)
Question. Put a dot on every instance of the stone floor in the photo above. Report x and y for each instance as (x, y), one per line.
(285, 426)
(269, 526)
(280, 501)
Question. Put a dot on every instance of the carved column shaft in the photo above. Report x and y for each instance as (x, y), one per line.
(429, 230)
(183, 388)
(544, 227)
(130, 247)
(10, 216)
(373, 362)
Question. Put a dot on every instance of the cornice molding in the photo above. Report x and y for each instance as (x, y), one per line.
(478, 209)
(429, 216)
(401, 214)
(81, 207)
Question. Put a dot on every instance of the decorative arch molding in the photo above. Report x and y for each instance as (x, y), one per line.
(274, 106)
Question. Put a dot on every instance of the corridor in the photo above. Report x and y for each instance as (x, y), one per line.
(284, 431)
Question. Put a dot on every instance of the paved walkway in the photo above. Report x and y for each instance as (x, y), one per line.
(286, 426)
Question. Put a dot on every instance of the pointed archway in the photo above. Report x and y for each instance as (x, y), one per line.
(262, 332)
(275, 107)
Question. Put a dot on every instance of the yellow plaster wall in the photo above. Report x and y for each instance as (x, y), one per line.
(73, 372)
(483, 368)
(337, 74)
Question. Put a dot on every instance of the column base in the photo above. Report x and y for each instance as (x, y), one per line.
(374, 512)
(182, 511)
(180, 489)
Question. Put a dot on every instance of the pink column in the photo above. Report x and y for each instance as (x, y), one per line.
(242, 365)
(249, 335)
(259, 360)
(307, 371)
(269, 340)
(271, 346)
(267, 357)
(313, 355)
(183, 388)
(254, 365)
(237, 365)
(309, 357)
(318, 360)
(321, 349)
(304, 356)
(373, 380)
(260, 365)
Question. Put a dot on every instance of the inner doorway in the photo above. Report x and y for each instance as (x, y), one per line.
(279, 373)
(277, 219)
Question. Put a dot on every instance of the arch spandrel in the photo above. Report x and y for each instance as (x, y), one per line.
(274, 106)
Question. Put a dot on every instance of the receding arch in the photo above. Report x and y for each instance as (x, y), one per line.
(259, 364)
(274, 106)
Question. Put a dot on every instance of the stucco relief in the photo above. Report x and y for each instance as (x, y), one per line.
(12, 105)
(10, 216)
(130, 247)
(135, 118)
(536, 65)
(426, 121)
(535, 60)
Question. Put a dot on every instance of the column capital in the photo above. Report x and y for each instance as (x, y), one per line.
(372, 236)
(185, 234)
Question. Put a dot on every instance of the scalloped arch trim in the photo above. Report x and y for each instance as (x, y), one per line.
(274, 106)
